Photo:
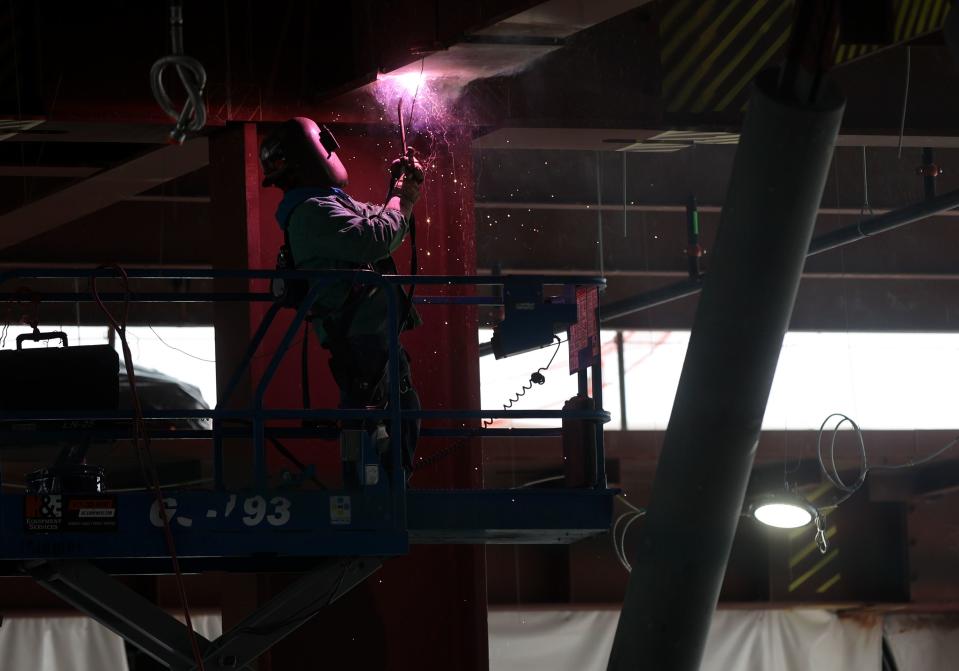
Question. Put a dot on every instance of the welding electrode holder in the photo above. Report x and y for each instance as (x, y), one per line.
(404, 166)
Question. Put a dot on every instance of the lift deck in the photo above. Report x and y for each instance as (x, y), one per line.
(71, 542)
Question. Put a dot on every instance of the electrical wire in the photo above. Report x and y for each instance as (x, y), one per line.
(261, 355)
(541, 481)
(835, 479)
(925, 460)
(173, 347)
(443, 453)
(536, 377)
(831, 472)
(866, 207)
(141, 441)
(618, 535)
(302, 615)
(192, 117)
(622, 499)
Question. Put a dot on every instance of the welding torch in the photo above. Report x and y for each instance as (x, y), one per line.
(406, 164)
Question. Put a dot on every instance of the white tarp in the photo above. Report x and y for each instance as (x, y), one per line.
(59, 644)
(72, 643)
(739, 640)
(924, 642)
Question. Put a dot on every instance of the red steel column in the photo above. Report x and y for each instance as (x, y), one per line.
(235, 201)
(427, 610)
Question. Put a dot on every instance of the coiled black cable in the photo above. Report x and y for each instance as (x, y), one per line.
(536, 377)
(192, 117)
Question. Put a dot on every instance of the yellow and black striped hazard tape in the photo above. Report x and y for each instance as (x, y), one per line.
(712, 49)
(914, 18)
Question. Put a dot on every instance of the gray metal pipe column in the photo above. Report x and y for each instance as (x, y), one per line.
(767, 222)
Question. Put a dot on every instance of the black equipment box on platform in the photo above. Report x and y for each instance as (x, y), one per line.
(48, 379)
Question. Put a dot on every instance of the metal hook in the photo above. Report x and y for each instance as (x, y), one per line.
(821, 540)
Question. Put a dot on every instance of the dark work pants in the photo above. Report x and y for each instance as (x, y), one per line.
(369, 355)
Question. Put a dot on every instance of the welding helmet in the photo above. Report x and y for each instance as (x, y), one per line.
(301, 153)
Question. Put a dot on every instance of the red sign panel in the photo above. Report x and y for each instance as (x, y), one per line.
(583, 336)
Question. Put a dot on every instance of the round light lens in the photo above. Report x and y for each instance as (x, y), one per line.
(783, 515)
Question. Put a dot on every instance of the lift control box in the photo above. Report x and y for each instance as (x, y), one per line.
(531, 321)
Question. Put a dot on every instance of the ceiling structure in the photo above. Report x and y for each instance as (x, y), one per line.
(564, 182)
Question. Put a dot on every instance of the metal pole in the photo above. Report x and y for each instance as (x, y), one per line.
(776, 186)
(884, 222)
(824, 243)
(693, 249)
(928, 179)
(597, 367)
(621, 361)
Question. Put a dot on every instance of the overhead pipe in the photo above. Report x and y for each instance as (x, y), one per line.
(824, 243)
(777, 183)
(828, 241)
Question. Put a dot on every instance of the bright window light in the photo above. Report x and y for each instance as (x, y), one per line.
(889, 381)
(185, 352)
(503, 379)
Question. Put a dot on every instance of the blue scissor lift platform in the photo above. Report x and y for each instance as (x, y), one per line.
(71, 542)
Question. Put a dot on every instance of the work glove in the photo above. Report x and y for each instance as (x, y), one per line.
(411, 178)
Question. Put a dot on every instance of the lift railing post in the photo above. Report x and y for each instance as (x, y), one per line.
(600, 476)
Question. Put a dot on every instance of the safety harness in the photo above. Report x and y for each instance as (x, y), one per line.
(337, 323)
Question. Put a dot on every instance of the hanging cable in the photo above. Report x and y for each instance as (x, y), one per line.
(261, 355)
(866, 207)
(536, 377)
(905, 100)
(619, 535)
(552, 478)
(192, 117)
(831, 471)
(177, 349)
(599, 217)
(443, 453)
(141, 442)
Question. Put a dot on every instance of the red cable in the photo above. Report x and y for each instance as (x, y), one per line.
(140, 434)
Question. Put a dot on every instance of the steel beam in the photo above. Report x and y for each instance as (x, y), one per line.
(286, 612)
(667, 208)
(164, 638)
(824, 243)
(616, 139)
(119, 609)
(102, 190)
(714, 428)
(46, 171)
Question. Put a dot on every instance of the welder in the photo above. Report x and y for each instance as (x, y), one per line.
(325, 229)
